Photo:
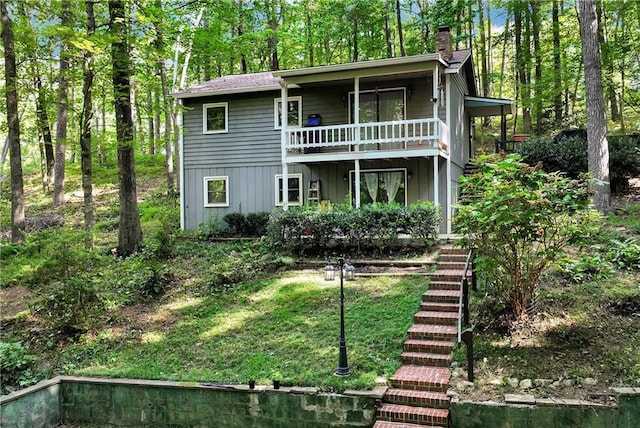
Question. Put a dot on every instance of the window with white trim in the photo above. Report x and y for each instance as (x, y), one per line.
(216, 191)
(215, 118)
(294, 112)
(294, 189)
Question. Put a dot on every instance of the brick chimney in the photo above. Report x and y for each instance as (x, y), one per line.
(444, 43)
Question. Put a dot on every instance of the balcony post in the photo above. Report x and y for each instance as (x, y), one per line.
(283, 143)
(356, 121)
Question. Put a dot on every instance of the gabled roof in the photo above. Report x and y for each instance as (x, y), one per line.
(269, 81)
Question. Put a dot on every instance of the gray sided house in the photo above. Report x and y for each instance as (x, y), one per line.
(397, 129)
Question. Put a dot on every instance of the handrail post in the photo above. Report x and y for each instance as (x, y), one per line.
(465, 301)
(467, 338)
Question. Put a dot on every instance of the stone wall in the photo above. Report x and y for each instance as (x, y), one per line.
(35, 407)
(525, 411)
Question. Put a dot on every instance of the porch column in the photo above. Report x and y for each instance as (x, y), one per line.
(180, 132)
(356, 121)
(436, 92)
(436, 180)
(283, 144)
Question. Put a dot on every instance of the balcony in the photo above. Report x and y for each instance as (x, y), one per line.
(373, 140)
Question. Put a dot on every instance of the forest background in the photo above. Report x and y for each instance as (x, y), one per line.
(528, 51)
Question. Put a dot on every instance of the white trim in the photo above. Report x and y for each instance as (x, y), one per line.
(276, 116)
(363, 171)
(280, 178)
(226, 118)
(224, 178)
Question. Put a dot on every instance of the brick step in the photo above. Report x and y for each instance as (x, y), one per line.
(451, 265)
(413, 415)
(453, 250)
(407, 397)
(433, 346)
(460, 258)
(437, 306)
(451, 275)
(441, 296)
(436, 318)
(388, 424)
(433, 332)
(434, 379)
(426, 359)
(444, 285)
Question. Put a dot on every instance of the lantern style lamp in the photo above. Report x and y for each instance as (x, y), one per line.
(329, 273)
(349, 272)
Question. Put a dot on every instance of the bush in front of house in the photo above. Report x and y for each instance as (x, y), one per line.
(235, 225)
(375, 227)
(569, 155)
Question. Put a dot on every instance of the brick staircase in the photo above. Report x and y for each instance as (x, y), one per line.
(418, 394)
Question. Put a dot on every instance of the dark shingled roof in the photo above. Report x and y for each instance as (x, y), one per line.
(266, 81)
(233, 83)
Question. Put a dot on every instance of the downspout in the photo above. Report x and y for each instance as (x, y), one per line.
(436, 180)
(183, 220)
(283, 143)
(356, 120)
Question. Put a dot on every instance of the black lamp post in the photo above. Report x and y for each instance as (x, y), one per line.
(343, 365)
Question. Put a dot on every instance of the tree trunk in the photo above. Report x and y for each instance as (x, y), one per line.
(45, 131)
(598, 147)
(521, 58)
(309, 33)
(169, 106)
(63, 110)
(356, 54)
(537, 55)
(387, 29)
(400, 33)
(85, 128)
(484, 73)
(13, 124)
(272, 41)
(130, 232)
(557, 66)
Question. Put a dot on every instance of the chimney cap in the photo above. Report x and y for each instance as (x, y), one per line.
(443, 29)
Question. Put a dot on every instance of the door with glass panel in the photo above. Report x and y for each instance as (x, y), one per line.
(381, 105)
(380, 186)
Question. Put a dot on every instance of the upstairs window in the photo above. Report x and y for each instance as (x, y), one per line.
(216, 191)
(214, 118)
(294, 112)
(294, 189)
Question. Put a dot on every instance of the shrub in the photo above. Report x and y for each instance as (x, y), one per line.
(520, 221)
(236, 222)
(213, 227)
(256, 224)
(302, 230)
(15, 365)
(569, 155)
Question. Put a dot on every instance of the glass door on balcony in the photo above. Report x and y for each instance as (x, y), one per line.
(380, 105)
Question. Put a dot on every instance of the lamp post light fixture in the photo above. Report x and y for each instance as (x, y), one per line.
(329, 273)
(349, 272)
(343, 365)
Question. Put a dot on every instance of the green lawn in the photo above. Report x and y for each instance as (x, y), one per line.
(285, 327)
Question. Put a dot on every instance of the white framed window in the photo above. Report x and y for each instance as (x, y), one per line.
(294, 112)
(380, 185)
(216, 191)
(295, 189)
(215, 117)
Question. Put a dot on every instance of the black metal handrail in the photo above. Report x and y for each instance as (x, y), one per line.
(466, 336)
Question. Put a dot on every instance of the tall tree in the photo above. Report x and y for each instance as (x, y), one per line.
(400, 33)
(13, 122)
(85, 126)
(557, 73)
(130, 232)
(63, 110)
(598, 148)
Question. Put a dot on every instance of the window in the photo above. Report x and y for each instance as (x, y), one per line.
(295, 189)
(214, 118)
(382, 186)
(216, 191)
(294, 112)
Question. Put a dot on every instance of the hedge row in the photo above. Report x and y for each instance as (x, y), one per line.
(305, 230)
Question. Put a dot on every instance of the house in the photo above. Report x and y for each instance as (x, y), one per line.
(397, 129)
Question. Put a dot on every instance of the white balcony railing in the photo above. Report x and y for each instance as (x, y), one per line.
(393, 135)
